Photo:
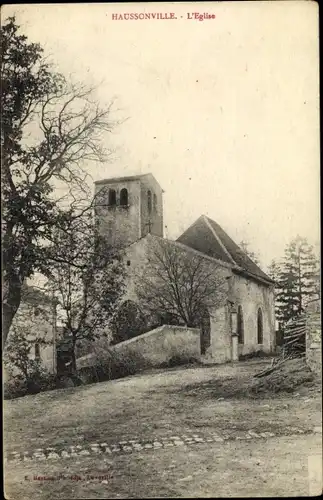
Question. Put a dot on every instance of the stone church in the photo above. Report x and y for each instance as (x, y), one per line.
(129, 212)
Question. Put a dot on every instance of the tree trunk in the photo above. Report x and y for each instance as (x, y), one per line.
(9, 309)
(74, 377)
(73, 357)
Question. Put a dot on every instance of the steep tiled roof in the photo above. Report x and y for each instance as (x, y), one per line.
(200, 237)
(209, 238)
(182, 246)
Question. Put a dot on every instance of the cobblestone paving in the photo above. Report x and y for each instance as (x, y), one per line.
(135, 445)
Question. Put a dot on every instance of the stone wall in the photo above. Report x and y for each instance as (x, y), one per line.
(160, 345)
(220, 349)
(251, 296)
(156, 214)
(156, 347)
(314, 336)
(135, 265)
(120, 225)
(124, 225)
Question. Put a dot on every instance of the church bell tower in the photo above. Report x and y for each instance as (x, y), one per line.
(128, 208)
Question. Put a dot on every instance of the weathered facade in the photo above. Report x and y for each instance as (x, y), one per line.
(36, 320)
(128, 208)
(255, 307)
(163, 343)
(243, 321)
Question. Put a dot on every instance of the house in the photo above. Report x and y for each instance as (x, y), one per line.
(129, 212)
(35, 320)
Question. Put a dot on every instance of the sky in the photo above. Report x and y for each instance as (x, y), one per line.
(223, 112)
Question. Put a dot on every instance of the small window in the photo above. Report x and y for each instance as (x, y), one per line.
(149, 201)
(260, 327)
(36, 311)
(155, 203)
(112, 199)
(128, 263)
(37, 351)
(124, 197)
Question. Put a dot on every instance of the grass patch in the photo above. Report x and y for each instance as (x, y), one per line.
(169, 402)
(18, 386)
(289, 378)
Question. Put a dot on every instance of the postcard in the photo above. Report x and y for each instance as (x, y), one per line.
(161, 250)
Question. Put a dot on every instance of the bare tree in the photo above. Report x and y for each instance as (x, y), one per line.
(87, 280)
(179, 284)
(49, 128)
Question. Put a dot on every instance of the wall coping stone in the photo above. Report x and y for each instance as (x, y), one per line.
(154, 332)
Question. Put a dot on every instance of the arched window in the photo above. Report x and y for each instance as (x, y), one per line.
(112, 200)
(240, 326)
(155, 202)
(260, 327)
(149, 200)
(124, 197)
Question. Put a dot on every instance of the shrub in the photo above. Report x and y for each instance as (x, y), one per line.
(15, 387)
(113, 364)
(179, 359)
(129, 322)
(39, 380)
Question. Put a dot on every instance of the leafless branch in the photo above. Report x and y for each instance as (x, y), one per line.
(179, 283)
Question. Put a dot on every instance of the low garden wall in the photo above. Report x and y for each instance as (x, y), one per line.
(164, 343)
(164, 346)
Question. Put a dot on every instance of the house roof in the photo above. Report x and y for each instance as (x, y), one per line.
(206, 236)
